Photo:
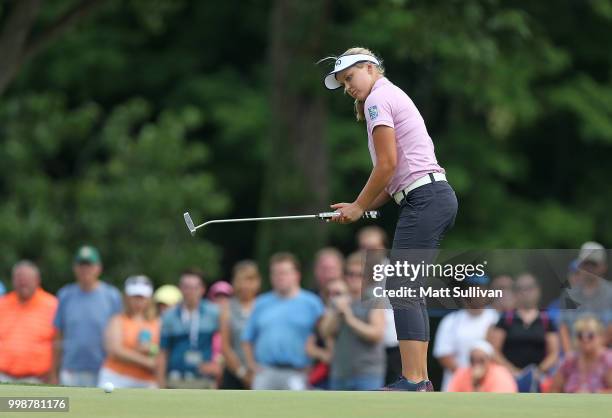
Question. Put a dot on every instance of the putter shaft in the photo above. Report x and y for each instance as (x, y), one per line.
(373, 214)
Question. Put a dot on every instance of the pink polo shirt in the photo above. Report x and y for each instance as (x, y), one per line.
(388, 105)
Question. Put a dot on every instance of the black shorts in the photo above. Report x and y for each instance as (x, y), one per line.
(426, 214)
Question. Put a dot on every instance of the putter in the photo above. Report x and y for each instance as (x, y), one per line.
(371, 214)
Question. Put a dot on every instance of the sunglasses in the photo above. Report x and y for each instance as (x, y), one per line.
(336, 293)
(353, 274)
(585, 335)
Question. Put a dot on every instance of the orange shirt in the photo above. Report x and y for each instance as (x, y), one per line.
(498, 379)
(26, 334)
(130, 330)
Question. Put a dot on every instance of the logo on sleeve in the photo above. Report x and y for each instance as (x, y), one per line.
(373, 111)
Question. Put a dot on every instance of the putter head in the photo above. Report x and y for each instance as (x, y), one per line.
(189, 223)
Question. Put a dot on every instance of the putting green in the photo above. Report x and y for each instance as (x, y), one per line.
(135, 403)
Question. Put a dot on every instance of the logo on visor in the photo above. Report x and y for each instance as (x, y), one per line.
(338, 62)
(373, 111)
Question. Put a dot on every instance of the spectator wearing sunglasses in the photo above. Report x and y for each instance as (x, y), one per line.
(482, 375)
(589, 368)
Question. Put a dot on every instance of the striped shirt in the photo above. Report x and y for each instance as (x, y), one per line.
(26, 334)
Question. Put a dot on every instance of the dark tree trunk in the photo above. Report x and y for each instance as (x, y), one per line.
(296, 180)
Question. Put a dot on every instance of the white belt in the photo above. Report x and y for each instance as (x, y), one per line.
(421, 181)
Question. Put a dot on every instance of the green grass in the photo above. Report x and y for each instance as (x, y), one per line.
(134, 403)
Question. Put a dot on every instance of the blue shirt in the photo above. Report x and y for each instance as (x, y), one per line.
(279, 327)
(82, 318)
(179, 336)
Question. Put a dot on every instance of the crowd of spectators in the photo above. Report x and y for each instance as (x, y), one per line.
(233, 336)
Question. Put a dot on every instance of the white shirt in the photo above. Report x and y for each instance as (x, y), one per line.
(457, 332)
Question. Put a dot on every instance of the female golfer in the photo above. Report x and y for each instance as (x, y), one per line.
(405, 169)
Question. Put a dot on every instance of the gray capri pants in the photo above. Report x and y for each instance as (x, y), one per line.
(426, 214)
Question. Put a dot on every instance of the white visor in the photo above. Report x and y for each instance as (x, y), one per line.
(139, 289)
(344, 62)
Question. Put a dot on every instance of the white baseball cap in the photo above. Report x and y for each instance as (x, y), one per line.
(138, 286)
(483, 346)
(592, 251)
(342, 63)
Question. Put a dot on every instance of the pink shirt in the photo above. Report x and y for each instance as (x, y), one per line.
(592, 380)
(388, 105)
(498, 380)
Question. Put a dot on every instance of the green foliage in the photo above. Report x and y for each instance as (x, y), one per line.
(151, 108)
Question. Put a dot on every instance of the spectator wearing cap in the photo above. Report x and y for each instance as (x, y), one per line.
(591, 296)
(460, 329)
(132, 339)
(482, 374)
(185, 359)
(83, 313)
(166, 297)
(275, 336)
(358, 361)
(246, 282)
(26, 328)
(525, 339)
(589, 368)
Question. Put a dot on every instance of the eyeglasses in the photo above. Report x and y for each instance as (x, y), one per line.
(585, 335)
(353, 274)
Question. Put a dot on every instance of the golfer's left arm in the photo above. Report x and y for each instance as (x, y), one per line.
(373, 193)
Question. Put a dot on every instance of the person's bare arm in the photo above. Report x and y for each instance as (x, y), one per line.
(552, 352)
(497, 337)
(566, 339)
(328, 326)
(315, 352)
(382, 198)
(57, 358)
(448, 362)
(371, 331)
(232, 361)
(114, 346)
(252, 365)
(162, 364)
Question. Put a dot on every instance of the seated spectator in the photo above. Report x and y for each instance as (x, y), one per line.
(166, 297)
(26, 328)
(84, 310)
(591, 296)
(132, 339)
(460, 329)
(525, 339)
(589, 368)
(275, 336)
(482, 374)
(185, 358)
(358, 361)
(247, 282)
